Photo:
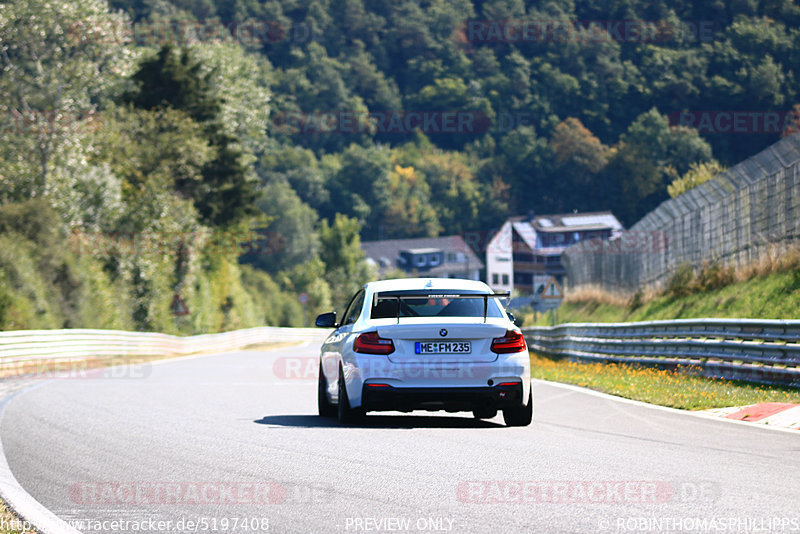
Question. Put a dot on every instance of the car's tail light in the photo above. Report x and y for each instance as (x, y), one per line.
(513, 341)
(372, 343)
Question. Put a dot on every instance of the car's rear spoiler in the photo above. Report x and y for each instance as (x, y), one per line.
(437, 294)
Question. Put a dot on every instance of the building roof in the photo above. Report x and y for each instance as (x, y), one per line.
(385, 253)
(569, 222)
(526, 232)
(429, 250)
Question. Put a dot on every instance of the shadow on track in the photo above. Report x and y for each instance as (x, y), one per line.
(378, 421)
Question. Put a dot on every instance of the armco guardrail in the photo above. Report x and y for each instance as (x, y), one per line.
(755, 350)
(26, 345)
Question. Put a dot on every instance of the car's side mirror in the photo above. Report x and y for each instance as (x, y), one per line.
(326, 320)
(516, 320)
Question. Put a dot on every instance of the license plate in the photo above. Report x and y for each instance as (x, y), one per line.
(442, 347)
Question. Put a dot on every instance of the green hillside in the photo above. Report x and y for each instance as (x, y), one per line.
(769, 296)
(235, 152)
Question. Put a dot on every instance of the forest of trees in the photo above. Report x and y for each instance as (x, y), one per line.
(170, 147)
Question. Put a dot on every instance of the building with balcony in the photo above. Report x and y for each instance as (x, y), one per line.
(526, 251)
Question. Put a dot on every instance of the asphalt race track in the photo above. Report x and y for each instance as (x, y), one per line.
(232, 443)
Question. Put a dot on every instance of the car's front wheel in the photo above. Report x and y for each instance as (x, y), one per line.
(345, 413)
(325, 406)
(519, 415)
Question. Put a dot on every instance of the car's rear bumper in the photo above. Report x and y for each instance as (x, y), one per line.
(379, 397)
(451, 379)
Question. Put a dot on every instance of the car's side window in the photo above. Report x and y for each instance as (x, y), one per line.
(347, 310)
(351, 314)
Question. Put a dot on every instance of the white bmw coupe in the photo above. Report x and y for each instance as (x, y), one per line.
(425, 344)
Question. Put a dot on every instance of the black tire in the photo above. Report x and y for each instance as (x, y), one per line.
(519, 415)
(345, 413)
(324, 405)
(484, 413)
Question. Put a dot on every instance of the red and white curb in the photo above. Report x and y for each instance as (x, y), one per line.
(772, 414)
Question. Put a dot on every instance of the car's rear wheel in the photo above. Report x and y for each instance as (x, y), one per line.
(325, 406)
(484, 413)
(519, 415)
(345, 413)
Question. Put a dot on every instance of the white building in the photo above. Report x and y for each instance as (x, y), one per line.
(526, 251)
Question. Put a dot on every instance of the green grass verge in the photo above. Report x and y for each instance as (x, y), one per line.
(776, 296)
(665, 388)
(10, 523)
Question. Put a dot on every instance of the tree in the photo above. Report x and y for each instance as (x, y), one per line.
(159, 156)
(314, 87)
(364, 78)
(579, 157)
(309, 278)
(792, 122)
(228, 191)
(637, 170)
(174, 79)
(455, 194)
(352, 187)
(302, 170)
(404, 208)
(340, 251)
(697, 174)
(454, 95)
(290, 237)
(523, 162)
(59, 60)
(240, 84)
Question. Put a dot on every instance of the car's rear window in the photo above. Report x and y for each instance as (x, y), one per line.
(439, 305)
